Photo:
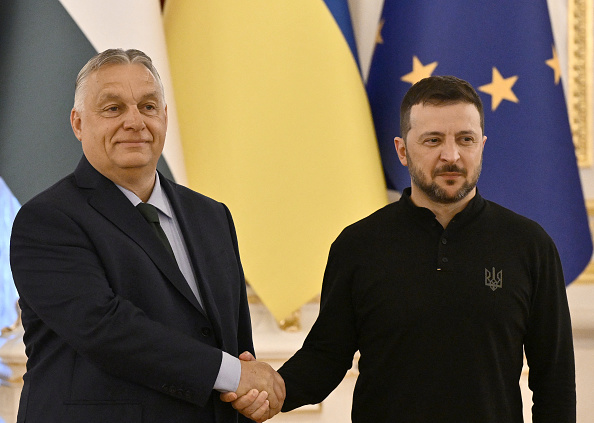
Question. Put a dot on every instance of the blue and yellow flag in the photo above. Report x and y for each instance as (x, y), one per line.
(275, 123)
(505, 49)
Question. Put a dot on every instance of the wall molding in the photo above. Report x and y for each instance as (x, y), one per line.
(580, 28)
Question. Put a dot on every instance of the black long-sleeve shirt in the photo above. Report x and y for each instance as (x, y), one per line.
(441, 319)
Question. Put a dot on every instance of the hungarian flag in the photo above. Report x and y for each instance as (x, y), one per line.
(43, 46)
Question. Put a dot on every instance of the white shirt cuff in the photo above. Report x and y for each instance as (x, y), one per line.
(229, 374)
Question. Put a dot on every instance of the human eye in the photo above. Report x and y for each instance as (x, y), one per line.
(149, 108)
(111, 110)
(467, 140)
(431, 141)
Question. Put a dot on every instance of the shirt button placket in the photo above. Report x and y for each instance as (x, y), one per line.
(442, 259)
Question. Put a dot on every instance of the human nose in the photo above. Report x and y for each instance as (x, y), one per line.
(133, 119)
(450, 152)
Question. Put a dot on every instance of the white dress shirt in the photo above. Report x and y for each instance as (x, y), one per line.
(230, 370)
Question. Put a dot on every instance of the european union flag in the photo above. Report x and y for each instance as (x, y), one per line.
(505, 49)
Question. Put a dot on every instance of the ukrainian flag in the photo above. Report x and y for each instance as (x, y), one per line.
(275, 123)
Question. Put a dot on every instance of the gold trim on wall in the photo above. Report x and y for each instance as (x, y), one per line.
(587, 276)
(580, 28)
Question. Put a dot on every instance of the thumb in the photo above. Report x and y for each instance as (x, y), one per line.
(228, 396)
(247, 356)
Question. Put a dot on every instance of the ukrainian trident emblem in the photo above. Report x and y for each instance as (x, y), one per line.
(493, 279)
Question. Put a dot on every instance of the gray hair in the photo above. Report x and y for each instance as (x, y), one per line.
(111, 57)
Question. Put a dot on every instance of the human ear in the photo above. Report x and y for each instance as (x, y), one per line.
(76, 123)
(401, 150)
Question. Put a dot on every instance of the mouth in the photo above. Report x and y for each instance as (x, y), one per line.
(450, 172)
(133, 143)
(449, 175)
(451, 178)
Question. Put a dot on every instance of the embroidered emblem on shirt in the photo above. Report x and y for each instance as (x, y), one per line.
(493, 279)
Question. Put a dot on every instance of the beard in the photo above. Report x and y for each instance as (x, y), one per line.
(437, 193)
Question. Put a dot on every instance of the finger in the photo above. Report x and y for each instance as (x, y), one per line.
(228, 396)
(262, 413)
(247, 356)
(279, 388)
(246, 400)
(274, 400)
(275, 409)
(254, 409)
(281, 383)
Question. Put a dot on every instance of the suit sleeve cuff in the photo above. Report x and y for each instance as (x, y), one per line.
(229, 374)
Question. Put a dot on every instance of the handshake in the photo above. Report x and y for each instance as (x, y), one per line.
(261, 391)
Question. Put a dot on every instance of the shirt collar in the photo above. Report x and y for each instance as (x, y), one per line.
(474, 206)
(157, 198)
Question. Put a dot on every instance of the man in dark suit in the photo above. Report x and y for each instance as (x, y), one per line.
(130, 318)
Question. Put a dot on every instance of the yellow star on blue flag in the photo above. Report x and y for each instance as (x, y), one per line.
(500, 89)
(419, 71)
(554, 64)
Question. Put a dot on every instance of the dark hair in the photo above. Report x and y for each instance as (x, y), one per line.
(438, 90)
(114, 56)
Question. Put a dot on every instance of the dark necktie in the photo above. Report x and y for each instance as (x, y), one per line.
(149, 212)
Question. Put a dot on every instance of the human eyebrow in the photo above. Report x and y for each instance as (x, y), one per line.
(150, 96)
(108, 97)
(431, 134)
(467, 132)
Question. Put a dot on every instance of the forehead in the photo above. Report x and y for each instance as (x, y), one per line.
(460, 113)
(125, 79)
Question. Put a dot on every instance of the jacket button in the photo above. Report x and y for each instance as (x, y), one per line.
(205, 331)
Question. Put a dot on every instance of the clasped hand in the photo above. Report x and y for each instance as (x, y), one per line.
(261, 391)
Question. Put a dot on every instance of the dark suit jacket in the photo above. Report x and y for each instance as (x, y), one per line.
(113, 332)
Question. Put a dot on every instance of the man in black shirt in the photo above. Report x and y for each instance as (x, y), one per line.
(441, 292)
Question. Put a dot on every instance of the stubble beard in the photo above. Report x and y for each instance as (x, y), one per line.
(437, 193)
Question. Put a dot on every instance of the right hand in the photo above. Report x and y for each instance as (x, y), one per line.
(261, 391)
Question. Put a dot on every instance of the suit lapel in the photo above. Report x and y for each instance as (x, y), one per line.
(109, 201)
(191, 228)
